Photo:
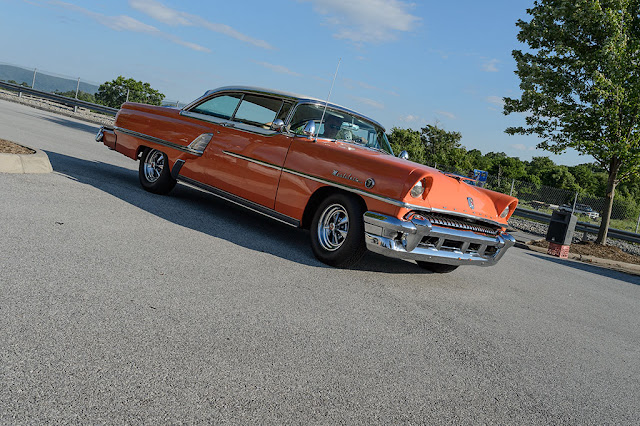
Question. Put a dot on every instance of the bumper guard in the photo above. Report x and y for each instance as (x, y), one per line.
(419, 239)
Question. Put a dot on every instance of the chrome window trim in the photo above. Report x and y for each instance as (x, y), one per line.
(338, 108)
(205, 117)
(297, 99)
(159, 141)
(238, 125)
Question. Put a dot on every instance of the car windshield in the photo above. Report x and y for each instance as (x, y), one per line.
(340, 125)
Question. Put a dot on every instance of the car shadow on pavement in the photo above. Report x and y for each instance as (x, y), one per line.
(201, 211)
(91, 128)
(598, 270)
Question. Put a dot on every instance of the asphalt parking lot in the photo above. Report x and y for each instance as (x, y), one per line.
(119, 306)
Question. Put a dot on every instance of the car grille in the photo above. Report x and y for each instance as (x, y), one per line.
(449, 222)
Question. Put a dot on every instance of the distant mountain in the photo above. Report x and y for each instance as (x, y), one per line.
(44, 82)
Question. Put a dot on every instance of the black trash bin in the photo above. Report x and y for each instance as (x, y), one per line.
(561, 227)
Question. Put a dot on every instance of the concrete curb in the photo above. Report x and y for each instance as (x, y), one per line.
(629, 268)
(25, 163)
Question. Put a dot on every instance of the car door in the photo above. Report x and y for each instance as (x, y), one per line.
(245, 156)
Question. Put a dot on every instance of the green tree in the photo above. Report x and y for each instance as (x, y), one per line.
(478, 161)
(83, 96)
(580, 81)
(114, 93)
(407, 140)
(444, 148)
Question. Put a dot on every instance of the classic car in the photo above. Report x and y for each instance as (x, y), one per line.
(580, 209)
(316, 165)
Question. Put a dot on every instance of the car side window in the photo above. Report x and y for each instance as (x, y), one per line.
(258, 110)
(222, 106)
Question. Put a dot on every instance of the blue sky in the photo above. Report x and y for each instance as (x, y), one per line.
(405, 64)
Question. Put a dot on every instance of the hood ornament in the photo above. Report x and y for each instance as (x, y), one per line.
(470, 201)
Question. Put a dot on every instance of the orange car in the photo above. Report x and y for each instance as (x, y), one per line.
(319, 166)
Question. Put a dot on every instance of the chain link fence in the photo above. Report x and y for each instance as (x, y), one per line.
(66, 85)
(625, 214)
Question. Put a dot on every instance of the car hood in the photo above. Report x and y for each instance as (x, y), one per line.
(444, 193)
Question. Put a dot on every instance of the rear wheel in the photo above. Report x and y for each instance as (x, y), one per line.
(438, 268)
(154, 172)
(337, 231)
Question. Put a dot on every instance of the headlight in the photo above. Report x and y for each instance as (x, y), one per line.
(417, 190)
(505, 212)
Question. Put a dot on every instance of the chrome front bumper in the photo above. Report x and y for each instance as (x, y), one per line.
(419, 239)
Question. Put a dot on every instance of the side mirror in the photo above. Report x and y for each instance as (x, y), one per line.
(310, 129)
(277, 125)
(404, 155)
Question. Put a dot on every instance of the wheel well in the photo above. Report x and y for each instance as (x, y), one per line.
(317, 198)
(139, 151)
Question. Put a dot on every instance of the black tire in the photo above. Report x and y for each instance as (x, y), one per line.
(438, 268)
(154, 173)
(334, 241)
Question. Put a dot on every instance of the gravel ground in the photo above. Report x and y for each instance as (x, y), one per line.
(8, 147)
(47, 105)
(537, 228)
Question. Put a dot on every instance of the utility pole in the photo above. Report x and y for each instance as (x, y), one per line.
(33, 83)
(75, 107)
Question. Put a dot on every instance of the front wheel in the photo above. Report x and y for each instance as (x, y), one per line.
(154, 172)
(438, 268)
(337, 231)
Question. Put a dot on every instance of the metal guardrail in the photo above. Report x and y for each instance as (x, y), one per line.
(59, 99)
(580, 226)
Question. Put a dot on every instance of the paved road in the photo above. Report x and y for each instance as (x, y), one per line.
(120, 306)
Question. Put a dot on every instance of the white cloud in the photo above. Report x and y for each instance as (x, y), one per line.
(496, 100)
(350, 84)
(364, 21)
(522, 147)
(369, 102)
(127, 23)
(410, 118)
(166, 15)
(277, 68)
(447, 114)
(490, 65)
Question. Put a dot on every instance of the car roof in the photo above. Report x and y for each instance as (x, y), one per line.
(283, 94)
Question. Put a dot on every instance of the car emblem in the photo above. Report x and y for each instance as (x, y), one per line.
(347, 176)
(369, 183)
(470, 201)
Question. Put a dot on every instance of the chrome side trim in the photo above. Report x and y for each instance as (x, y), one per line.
(252, 160)
(316, 179)
(348, 188)
(356, 190)
(238, 125)
(159, 141)
(242, 202)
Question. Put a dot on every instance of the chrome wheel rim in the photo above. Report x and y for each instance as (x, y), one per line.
(153, 166)
(333, 227)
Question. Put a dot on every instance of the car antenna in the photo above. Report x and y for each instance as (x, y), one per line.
(328, 96)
